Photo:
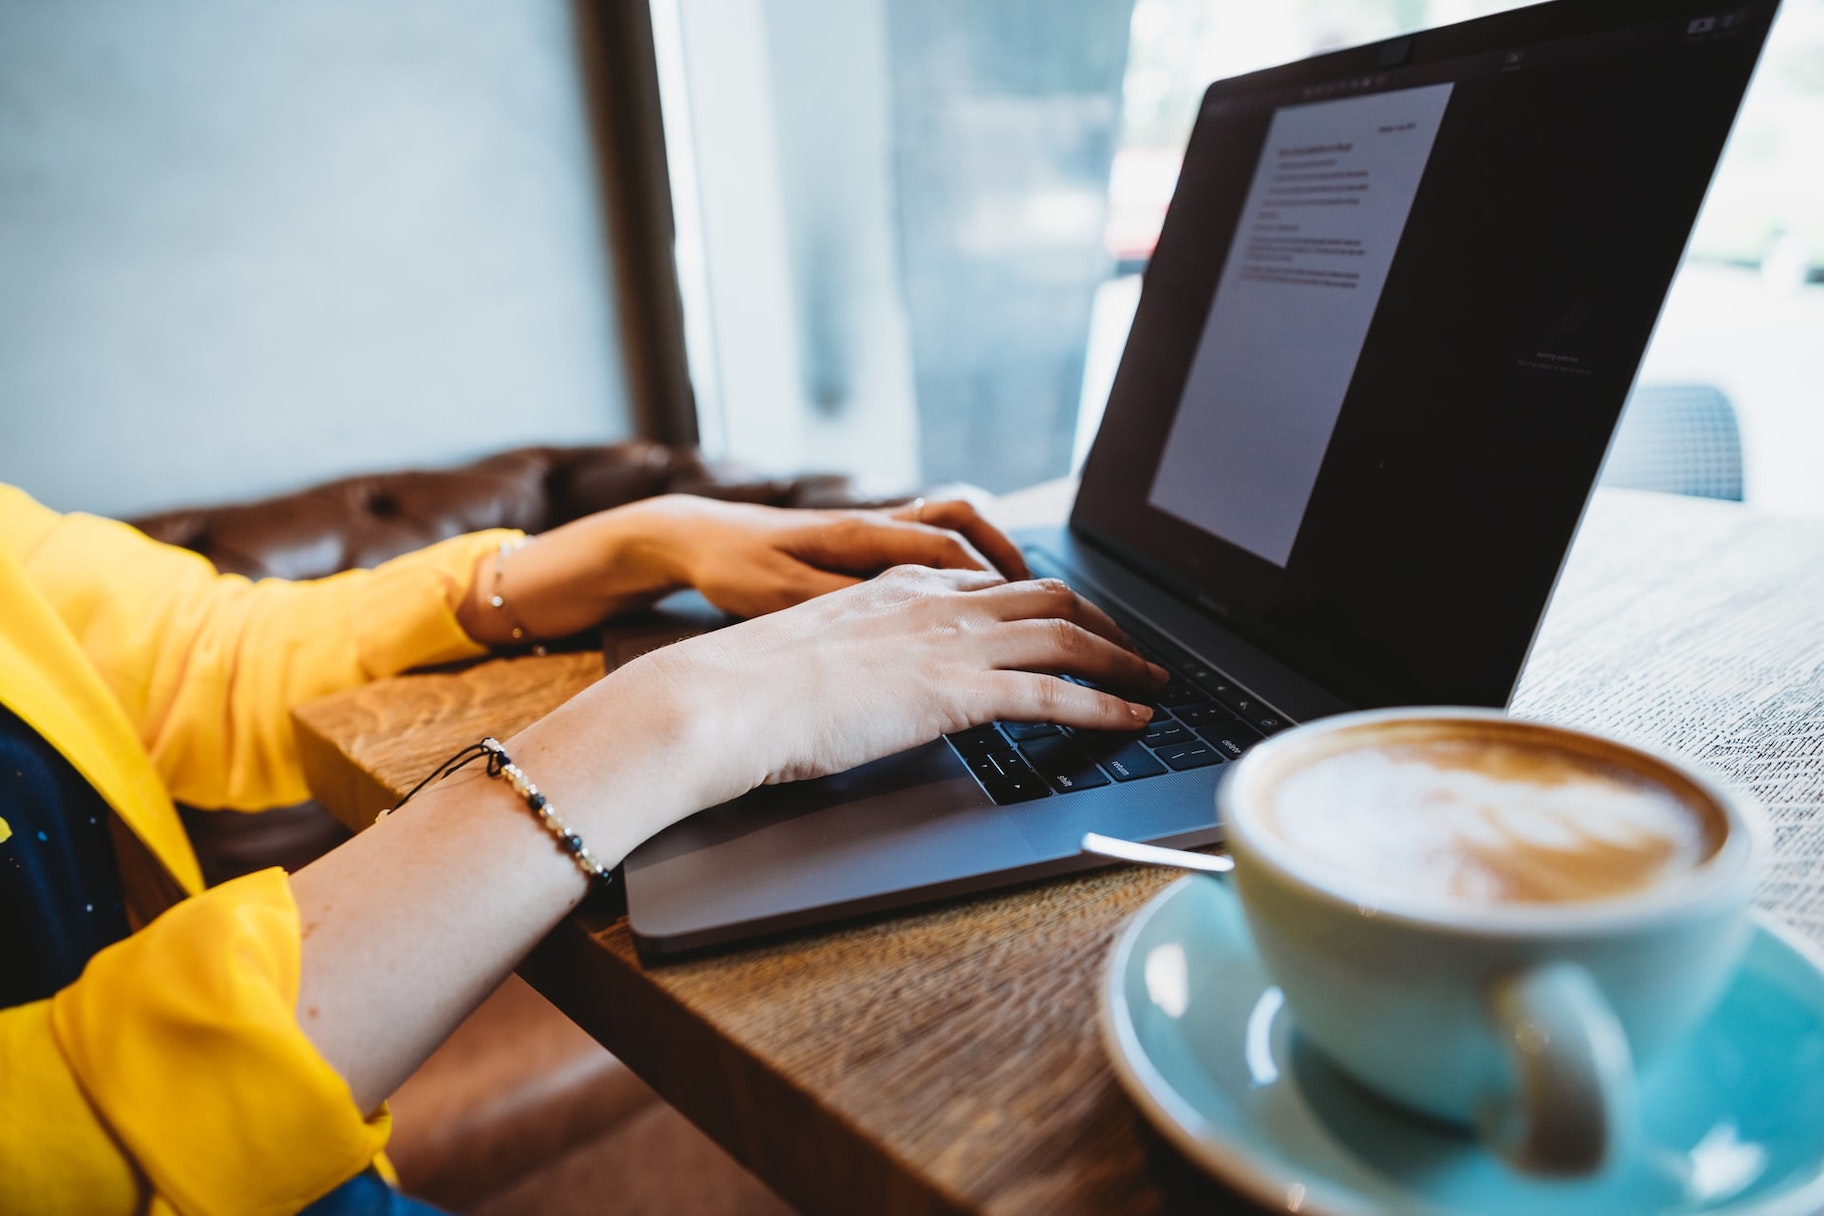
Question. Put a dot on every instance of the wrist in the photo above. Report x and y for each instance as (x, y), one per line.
(578, 574)
(626, 758)
(487, 623)
(657, 541)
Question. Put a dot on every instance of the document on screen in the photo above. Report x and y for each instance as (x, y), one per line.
(1317, 234)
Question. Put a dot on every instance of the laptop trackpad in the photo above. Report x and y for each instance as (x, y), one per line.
(911, 820)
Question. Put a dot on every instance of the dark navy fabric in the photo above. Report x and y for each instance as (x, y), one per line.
(59, 888)
(60, 902)
(368, 1195)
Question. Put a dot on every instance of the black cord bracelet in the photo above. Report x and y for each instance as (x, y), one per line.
(501, 765)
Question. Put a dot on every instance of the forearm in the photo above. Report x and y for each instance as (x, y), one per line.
(747, 560)
(408, 926)
(182, 1048)
(578, 574)
(411, 924)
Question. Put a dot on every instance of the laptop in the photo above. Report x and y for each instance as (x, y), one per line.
(1398, 301)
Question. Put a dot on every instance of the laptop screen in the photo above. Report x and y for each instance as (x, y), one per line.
(1397, 304)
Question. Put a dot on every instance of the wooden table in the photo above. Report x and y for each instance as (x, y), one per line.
(948, 1060)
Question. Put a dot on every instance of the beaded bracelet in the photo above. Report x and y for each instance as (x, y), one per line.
(501, 765)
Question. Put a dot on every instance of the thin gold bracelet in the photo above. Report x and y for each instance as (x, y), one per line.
(498, 601)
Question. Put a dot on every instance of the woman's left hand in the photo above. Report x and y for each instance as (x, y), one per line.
(749, 561)
(745, 559)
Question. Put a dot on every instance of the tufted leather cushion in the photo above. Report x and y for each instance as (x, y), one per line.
(362, 521)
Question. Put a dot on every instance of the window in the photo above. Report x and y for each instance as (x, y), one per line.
(916, 230)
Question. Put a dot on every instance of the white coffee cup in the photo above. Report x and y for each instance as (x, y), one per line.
(1492, 921)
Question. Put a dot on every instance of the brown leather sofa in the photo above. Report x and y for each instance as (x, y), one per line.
(362, 521)
(519, 1111)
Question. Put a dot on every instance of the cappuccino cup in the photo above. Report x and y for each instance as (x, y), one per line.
(1490, 921)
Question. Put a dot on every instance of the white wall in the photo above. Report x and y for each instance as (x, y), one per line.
(246, 246)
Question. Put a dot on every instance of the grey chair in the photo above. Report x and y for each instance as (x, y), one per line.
(1679, 439)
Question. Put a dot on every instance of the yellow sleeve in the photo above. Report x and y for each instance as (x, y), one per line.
(208, 666)
(55, 1154)
(174, 1067)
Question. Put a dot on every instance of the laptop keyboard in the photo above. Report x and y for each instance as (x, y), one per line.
(1200, 718)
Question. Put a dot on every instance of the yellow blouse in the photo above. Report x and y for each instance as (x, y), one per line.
(172, 1075)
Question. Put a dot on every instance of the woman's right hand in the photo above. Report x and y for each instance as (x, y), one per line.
(881, 667)
(407, 926)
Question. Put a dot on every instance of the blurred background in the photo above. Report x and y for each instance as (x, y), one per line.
(246, 247)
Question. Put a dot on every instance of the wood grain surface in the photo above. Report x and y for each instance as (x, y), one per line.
(948, 1060)
(363, 749)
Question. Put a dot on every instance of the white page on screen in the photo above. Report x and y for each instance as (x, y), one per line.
(1328, 203)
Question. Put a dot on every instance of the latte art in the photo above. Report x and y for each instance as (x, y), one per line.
(1487, 821)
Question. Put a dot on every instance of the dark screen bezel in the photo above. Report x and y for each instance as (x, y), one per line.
(1243, 591)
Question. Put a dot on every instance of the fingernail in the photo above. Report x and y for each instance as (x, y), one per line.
(1160, 674)
(1140, 713)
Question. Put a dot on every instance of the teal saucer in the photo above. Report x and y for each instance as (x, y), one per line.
(1733, 1124)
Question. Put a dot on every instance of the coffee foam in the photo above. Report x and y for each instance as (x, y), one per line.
(1489, 821)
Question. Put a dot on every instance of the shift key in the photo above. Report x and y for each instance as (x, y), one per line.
(1063, 764)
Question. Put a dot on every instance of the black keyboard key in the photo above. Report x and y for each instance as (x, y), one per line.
(1236, 699)
(977, 740)
(1193, 682)
(1232, 737)
(1195, 754)
(1020, 785)
(1003, 772)
(1130, 763)
(1019, 732)
(1164, 734)
(1203, 713)
(987, 766)
(1245, 706)
(1120, 755)
(1198, 670)
(1269, 723)
(1213, 682)
(1063, 764)
(1180, 691)
(1238, 702)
